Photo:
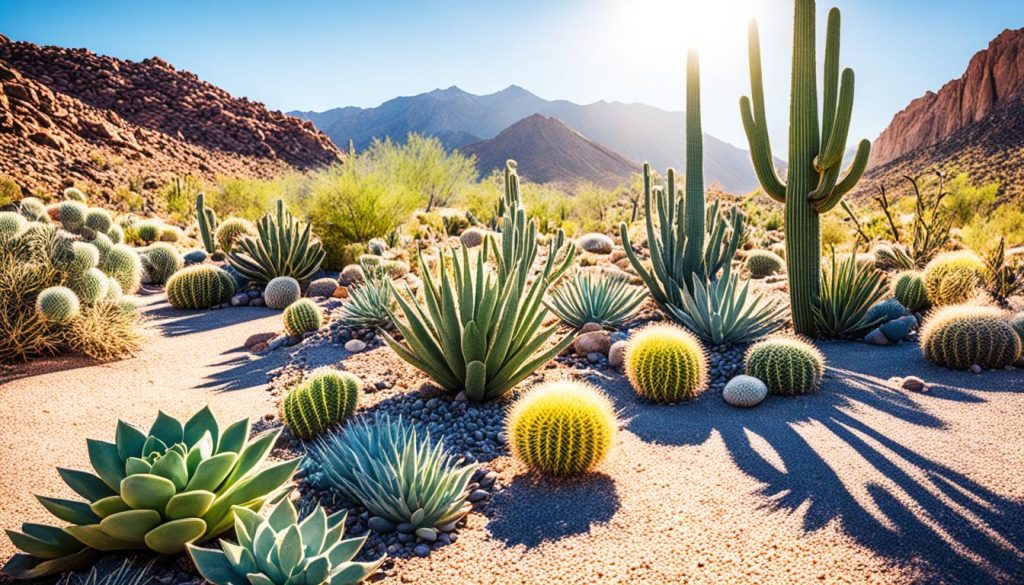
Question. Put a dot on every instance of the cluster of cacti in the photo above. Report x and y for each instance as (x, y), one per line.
(959, 337)
(58, 304)
(909, 289)
(595, 243)
(325, 399)
(231, 230)
(596, 298)
(160, 261)
(816, 149)
(953, 278)
(207, 220)
(281, 292)
(787, 365)
(199, 287)
(666, 364)
(164, 489)
(11, 224)
(290, 552)
(124, 265)
(762, 263)
(562, 428)
(284, 247)
(302, 316)
(90, 285)
(744, 391)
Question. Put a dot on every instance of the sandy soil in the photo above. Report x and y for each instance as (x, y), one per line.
(190, 359)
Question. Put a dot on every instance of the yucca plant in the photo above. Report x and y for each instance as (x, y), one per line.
(284, 247)
(369, 304)
(399, 475)
(848, 291)
(475, 334)
(590, 297)
(163, 489)
(724, 313)
(127, 573)
(280, 550)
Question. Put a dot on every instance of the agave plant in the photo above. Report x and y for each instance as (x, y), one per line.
(475, 335)
(283, 248)
(398, 475)
(848, 291)
(369, 304)
(280, 550)
(127, 573)
(161, 490)
(724, 313)
(596, 298)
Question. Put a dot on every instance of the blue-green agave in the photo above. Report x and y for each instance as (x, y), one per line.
(596, 298)
(279, 550)
(162, 490)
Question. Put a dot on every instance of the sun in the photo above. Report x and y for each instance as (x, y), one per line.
(651, 26)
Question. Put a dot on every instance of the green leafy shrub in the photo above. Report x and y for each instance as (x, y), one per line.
(762, 263)
(596, 298)
(284, 247)
(58, 304)
(9, 191)
(958, 337)
(281, 292)
(562, 428)
(231, 230)
(789, 366)
(666, 364)
(302, 316)
(163, 489)
(160, 261)
(199, 287)
(290, 552)
(171, 233)
(849, 289)
(953, 278)
(398, 475)
(325, 399)
(908, 288)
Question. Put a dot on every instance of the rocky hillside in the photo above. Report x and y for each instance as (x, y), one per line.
(548, 151)
(974, 123)
(72, 115)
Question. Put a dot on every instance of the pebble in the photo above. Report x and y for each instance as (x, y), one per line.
(421, 550)
(975, 368)
(593, 342)
(914, 384)
(257, 302)
(478, 496)
(617, 354)
(355, 345)
(240, 300)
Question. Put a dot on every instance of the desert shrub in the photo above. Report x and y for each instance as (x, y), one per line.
(953, 277)
(107, 330)
(1006, 222)
(959, 337)
(422, 167)
(762, 263)
(240, 197)
(302, 316)
(323, 400)
(848, 292)
(397, 474)
(281, 292)
(149, 230)
(787, 365)
(178, 196)
(562, 428)
(666, 364)
(10, 192)
(199, 287)
(592, 297)
(966, 200)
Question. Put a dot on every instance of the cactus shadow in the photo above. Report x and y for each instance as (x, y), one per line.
(817, 455)
(533, 510)
(241, 370)
(174, 323)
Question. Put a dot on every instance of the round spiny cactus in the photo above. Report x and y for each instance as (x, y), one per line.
(149, 230)
(231, 230)
(116, 234)
(98, 220)
(787, 365)
(74, 194)
(32, 209)
(91, 285)
(199, 287)
(779, 249)
(959, 337)
(161, 260)
(595, 243)
(762, 263)
(908, 288)
(745, 391)
(953, 278)
(171, 233)
(123, 263)
(57, 304)
(85, 256)
(395, 269)
(472, 237)
(322, 287)
(328, 397)
(281, 292)
(113, 290)
(301, 317)
(377, 246)
(562, 428)
(11, 224)
(102, 243)
(72, 215)
(666, 364)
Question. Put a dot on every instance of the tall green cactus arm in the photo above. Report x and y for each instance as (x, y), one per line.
(755, 123)
(207, 219)
(693, 255)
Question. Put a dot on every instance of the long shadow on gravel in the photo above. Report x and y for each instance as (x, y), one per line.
(903, 505)
(173, 322)
(531, 511)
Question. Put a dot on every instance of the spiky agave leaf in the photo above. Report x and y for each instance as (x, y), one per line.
(283, 247)
(596, 298)
(848, 291)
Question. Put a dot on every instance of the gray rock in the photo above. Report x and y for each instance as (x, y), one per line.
(876, 337)
(593, 342)
(976, 369)
(421, 550)
(617, 354)
(355, 346)
(478, 496)
(257, 302)
(240, 300)
(589, 327)
(914, 384)
(383, 525)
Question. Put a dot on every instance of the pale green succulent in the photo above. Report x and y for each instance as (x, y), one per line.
(161, 490)
(280, 550)
(398, 475)
(596, 298)
(368, 304)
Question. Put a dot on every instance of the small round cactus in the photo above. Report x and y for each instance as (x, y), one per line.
(562, 428)
(91, 285)
(959, 337)
(11, 224)
(57, 304)
(231, 230)
(472, 237)
(327, 398)
(762, 263)
(595, 243)
(149, 230)
(113, 290)
(666, 364)
(116, 234)
(98, 220)
(351, 275)
(102, 243)
(322, 287)
(377, 246)
(171, 233)
(745, 391)
(395, 269)
(199, 287)
(85, 256)
(72, 215)
(787, 365)
(74, 194)
(123, 263)
(301, 317)
(32, 209)
(160, 261)
(908, 288)
(281, 292)
(953, 278)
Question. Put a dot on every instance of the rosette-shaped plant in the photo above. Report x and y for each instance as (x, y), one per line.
(283, 247)
(596, 298)
(280, 550)
(164, 489)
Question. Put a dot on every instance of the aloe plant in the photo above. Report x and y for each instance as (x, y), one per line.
(283, 247)
(848, 292)
(279, 550)
(163, 489)
(596, 298)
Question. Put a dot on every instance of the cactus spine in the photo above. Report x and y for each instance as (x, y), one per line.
(207, 219)
(959, 337)
(813, 185)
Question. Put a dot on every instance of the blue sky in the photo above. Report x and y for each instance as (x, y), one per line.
(317, 55)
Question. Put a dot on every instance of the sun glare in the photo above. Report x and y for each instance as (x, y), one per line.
(652, 26)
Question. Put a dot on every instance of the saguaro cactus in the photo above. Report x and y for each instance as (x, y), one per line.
(813, 185)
